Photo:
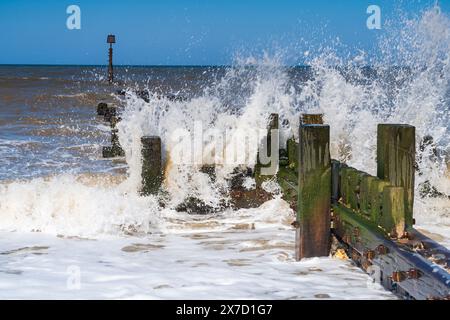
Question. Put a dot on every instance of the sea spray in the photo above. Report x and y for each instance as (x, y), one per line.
(408, 82)
(412, 88)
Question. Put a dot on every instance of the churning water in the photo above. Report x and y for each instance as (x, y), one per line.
(54, 181)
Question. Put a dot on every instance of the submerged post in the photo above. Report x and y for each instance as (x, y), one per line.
(314, 196)
(311, 118)
(396, 152)
(151, 165)
(111, 39)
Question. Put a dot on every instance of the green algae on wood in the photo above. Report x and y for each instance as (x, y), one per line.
(396, 153)
(314, 195)
(292, 151)
(375, 199)
(393, 217)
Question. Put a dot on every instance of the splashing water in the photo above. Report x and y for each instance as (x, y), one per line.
(354, 99)
(407, 83)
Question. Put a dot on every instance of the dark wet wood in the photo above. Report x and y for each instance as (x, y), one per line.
(152, 170)
(314, 195)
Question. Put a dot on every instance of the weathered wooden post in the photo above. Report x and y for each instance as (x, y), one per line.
(396, 152)
(151, 165)
(314, 196)
(292, 146)
(111, 39)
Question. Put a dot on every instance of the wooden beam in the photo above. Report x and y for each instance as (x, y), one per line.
(314, 196)
(395, 264)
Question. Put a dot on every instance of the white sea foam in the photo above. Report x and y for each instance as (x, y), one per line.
(246, 254)
(82, 206)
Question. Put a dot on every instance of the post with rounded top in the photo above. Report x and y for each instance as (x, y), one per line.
(151, 165)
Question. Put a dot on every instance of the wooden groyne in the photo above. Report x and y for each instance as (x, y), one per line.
(371, 216)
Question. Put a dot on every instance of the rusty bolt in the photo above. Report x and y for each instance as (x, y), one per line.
(381, 249)
(413, 274)
(369, 254)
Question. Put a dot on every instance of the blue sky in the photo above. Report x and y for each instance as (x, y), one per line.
(182, 32)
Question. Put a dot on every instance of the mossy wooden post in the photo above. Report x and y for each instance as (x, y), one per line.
(396, 151)
(151, 165)
(314, 199)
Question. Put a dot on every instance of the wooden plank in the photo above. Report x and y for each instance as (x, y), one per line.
(288, 181)
(396, 153)
(393, 217)
(376, 199)
(336, 167)
(313, 216)
(344, 185)
(354, 181)
(364, 198)
(397, 265)
(292, 151)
